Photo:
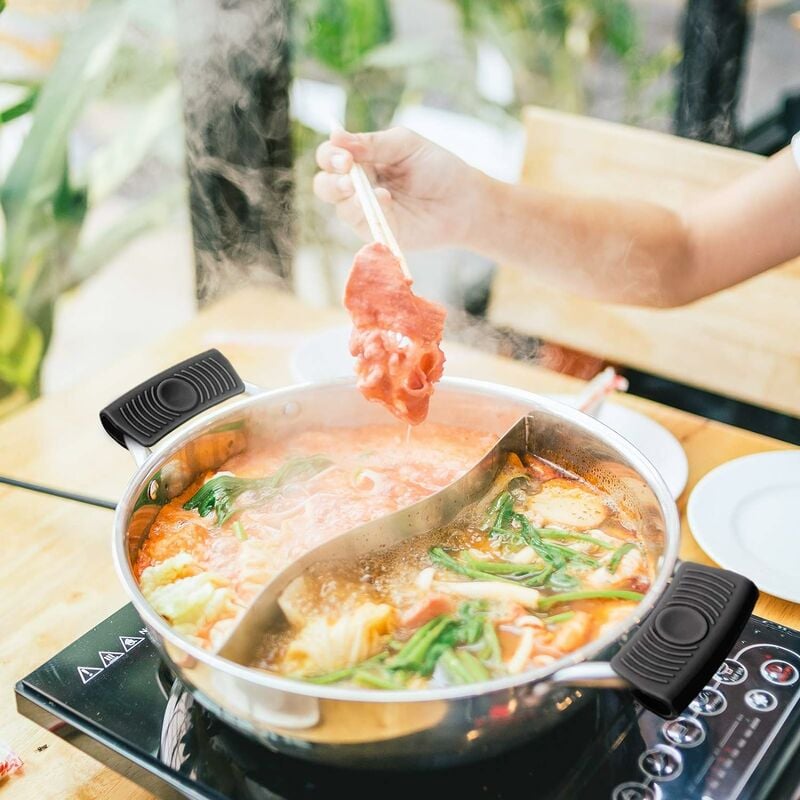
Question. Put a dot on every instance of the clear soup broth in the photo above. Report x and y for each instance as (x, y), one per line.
(539, 567)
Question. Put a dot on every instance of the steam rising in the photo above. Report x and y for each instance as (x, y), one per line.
(235, 78)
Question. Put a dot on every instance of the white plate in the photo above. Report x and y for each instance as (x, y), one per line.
(746, 515)
(326, 355)
(657, 444)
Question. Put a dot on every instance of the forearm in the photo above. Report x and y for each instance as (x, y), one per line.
(642, 253)
(619, 251)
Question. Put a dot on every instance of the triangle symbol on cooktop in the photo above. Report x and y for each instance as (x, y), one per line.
(109, 656)
(129, 642)
(87, 673)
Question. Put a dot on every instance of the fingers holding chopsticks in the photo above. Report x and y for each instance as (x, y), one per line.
(332, 188)
(334, 159)
(334, 184)
(377, 152)
(350, 211)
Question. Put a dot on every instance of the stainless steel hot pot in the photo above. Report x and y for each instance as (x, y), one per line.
(680, 632)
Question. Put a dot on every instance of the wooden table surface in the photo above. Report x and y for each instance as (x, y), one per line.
(57, 576)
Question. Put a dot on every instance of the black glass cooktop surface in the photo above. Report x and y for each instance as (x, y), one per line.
(109, 694)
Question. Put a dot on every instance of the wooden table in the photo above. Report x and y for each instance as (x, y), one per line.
(704, 343)
(56, 575)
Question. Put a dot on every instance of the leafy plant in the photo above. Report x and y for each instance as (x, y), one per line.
(549, 43)
(338, 38)
(45, 203)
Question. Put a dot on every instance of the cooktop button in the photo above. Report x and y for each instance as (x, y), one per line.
(684, 732)
(780, 672)
(177, 394)
(761, 700)
(709, 702)
(663, 763)
(636, 791)
(731, 672)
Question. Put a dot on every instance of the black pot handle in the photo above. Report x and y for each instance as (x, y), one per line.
(683, 641)
(151, 410)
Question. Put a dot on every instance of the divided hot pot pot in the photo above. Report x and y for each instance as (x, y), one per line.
(662, 655)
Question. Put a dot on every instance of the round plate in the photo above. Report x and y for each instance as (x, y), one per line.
(657, 444)
(745, 514)
(660, 447)
(323, 355)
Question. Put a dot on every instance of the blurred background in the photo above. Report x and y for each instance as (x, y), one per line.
(156, 154)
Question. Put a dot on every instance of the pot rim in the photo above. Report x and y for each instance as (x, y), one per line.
(269, 680)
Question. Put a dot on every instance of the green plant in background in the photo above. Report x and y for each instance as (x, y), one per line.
(338, 40)
(45, 199)
(549, 43)
(353, 44)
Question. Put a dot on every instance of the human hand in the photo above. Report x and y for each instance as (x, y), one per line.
(428, 194)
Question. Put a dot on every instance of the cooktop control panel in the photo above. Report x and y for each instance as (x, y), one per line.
(716, 749)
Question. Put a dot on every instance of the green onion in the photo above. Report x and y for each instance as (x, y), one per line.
(477, 569)
(556, 533)
(618, 554)
(601, 594)
(435, 642)
(239, 530)
(556, 619)
(344, 673)
(472, 618)
(561, 579)
(494, 567)
(443, 559)
(573, 555)
(331, 677)
(411, 655)
(376, 680)
(472, 666)
(495, 654)
(454, 668)
(499, 512)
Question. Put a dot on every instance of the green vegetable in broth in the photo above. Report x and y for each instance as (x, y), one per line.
(555, 533)
(618, 554)
(514, 571)
(438, 642)
(220, 493)
(590, 594)
(477, 569)
(557, 619)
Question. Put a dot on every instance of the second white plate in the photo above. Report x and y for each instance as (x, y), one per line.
(661, 448)
(657, 444)
(745, 514)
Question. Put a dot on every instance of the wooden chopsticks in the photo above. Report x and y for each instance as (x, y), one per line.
(373, 213)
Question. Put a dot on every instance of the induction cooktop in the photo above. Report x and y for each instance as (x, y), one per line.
(109, 694)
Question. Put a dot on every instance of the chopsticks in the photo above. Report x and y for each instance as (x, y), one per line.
(598, 388)
(373, 213)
